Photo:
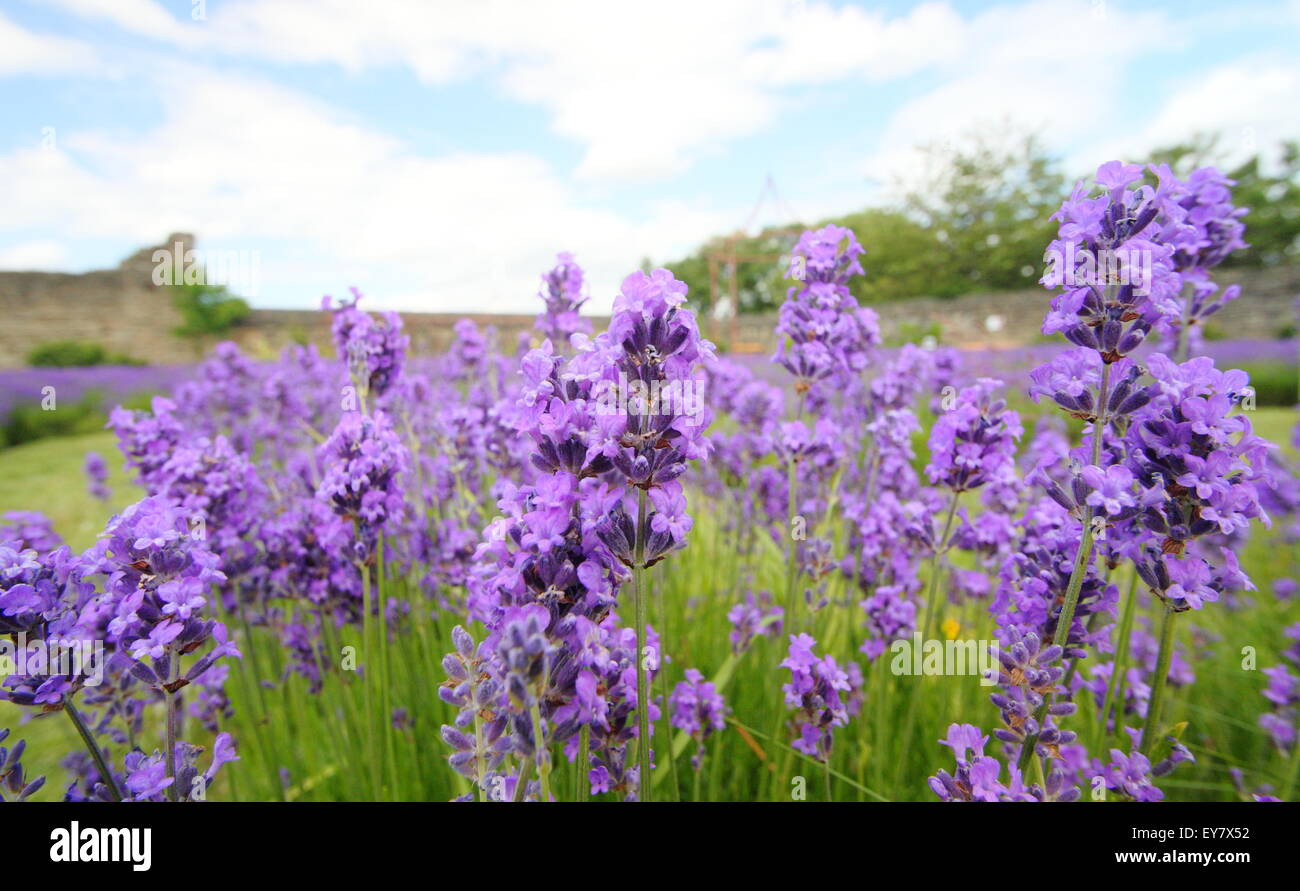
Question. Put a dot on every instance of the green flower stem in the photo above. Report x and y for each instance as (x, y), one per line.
(386, 667)
(1081, 560)
(883, 707)
(646, 783)
(1063, 623)
(248, 680)
(1294, 772)
(93, 747)
(584, 763)
(775, 743)
(173, 717)
(1090, 628)
(791, 564)
(1158, 685)
(675, 789)
(371, 667)
(1117, 667)
(791, 573)
(932, 597)
(480, 761)
(543, 756)
(525, 774)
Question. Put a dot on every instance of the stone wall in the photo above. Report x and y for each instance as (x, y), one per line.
(1013, 318)
(119, 308)
(123, 310)
(270, 330)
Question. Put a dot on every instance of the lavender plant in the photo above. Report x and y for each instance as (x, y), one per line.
(318, 528)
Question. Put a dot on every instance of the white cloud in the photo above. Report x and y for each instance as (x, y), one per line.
(250, 166)
(1063, 68)
(1048, 66)
(1253, 102)
(435, 40)
(143, 17)
(23, 52)
(818, 43)
(42, 254)
(645, 89)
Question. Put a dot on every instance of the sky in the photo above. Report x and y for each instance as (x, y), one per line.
(438, 155)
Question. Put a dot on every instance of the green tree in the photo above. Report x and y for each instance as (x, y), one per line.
(899, 257)
(207, 310)
(977, 221)
(1273, 224)
(986, 205)
(1271, 192)
(759, 284)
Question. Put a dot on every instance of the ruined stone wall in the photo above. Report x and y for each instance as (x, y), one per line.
(123, 310)
(1013, 318)
(119, 308)
(270, 330)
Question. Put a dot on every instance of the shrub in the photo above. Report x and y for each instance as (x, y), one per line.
(72, 354)
(75, 354)
(1274, 383)
(27, 423)
(207, 310)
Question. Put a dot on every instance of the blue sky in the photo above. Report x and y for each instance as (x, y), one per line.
(437, 155)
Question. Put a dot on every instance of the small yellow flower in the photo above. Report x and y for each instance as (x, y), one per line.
(950, 628)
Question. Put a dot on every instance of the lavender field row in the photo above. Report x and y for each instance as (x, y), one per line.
(614, 565)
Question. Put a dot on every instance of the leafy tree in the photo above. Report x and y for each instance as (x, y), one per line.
(979, 220)
(759, 285)
(1273, 224)
(900, 255)
(1272, 192)
(986, 204)
(207, 310)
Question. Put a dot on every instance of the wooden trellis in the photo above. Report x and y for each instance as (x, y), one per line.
(727, 257)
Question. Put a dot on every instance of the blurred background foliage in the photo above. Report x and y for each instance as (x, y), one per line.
(976, 220)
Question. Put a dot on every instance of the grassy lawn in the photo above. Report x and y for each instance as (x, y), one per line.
(1275, 425)
(47, 476)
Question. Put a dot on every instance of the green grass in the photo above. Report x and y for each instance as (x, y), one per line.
(339, 745)
(47, 476)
